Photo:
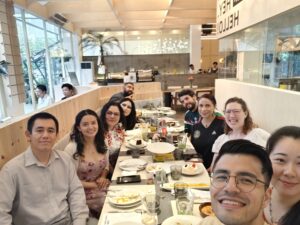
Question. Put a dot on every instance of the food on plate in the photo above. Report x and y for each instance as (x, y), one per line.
(153, 168)
(138, 142)
(126, 198)
(190, 167)
(171, 123)
(206, 209)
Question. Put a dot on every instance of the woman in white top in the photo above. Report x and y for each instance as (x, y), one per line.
(239, 125)
(283, 148)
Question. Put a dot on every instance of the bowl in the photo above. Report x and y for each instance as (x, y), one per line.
(206, 209)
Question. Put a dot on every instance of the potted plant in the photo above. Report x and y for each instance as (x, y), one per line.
(96, 39)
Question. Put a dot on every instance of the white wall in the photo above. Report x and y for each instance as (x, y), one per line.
(270, 108)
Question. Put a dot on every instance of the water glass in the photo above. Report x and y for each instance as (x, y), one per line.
(144, 131)
(151, 201)
(184, 205)
(180, 189)
(176, 171)
(182, 142)
(135, 153)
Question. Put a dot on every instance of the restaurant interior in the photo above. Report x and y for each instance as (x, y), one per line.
(99, 46)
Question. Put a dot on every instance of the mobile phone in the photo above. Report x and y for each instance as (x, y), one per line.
(129, 179)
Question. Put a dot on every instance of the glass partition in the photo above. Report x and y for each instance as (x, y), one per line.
(267, 53)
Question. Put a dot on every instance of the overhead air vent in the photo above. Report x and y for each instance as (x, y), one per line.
(59, 19)
(207, 29)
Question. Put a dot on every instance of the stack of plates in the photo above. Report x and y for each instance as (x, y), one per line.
(125, 200)
(160, 147)
(133, 164)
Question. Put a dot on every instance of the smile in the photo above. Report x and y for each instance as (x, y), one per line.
(231, 204)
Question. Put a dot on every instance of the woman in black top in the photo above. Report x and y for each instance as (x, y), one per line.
(128, 107)
(209, 127)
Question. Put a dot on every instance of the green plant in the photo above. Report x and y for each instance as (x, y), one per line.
(96, 39)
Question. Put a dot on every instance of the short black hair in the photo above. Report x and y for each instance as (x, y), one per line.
(187, 91)
(245, 147)
(43, 116)
(216, 63)
(67, 85)
(129, 83)
(42, 87)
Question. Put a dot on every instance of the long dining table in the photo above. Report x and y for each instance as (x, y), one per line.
(167, 202)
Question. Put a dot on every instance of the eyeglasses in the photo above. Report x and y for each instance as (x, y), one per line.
(244, 183)
(109, 113)
(233, 111)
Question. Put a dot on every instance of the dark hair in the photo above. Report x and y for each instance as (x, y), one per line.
(128, 83)
(77, 136)
(43, 116)
(187, 91)
(105, 108)
(67, 85)
(248, 122)
(42, 87)
(216, 63)
(210, 97)
(130, 120)
(292, 216)
(245, 147)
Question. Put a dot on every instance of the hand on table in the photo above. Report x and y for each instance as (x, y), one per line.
(102, 182)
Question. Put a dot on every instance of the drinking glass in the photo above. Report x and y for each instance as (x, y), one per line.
(180, 189)
(184, 205)
(176, 171)
(182, 142)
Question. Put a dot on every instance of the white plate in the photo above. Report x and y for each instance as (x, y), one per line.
(132, 144)
(202, 186)
(160, 147)
(182, 220)
(190, 170)
(125, 199)
(132, 133)
(175, 129)
(164, 108)
(126, 206)
(133, 164)
(153, 167)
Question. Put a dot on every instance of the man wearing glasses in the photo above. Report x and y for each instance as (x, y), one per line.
(240, 184)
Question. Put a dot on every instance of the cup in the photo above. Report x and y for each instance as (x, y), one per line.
(178, 154)
(135, 153)
(180, 189)
(182, 142)
(144, 131)
(151, 202)
(176, 171)
(184, 205)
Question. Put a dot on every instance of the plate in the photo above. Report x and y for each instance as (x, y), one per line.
(160, 147)
(132, 133)
(126, 206)
(191, 169)
(125, 199)
(153, 167)
(132, 144)
(132, 164)
(182, 220)
(175, 129)
(170, 186)
(164, 109)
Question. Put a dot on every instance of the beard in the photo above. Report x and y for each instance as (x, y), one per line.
(127, 93)
(191, 106)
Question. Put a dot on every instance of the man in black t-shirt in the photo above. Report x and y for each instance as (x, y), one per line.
(188, 99)
(127, 92)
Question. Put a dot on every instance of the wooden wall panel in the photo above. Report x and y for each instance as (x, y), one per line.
(12, 137)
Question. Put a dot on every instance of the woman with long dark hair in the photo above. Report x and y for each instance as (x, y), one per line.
(128, 107)
(283, 148)
(88, 150)
(112, 121)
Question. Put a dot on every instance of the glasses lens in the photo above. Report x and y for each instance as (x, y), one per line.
(243, 183)
(246, 183)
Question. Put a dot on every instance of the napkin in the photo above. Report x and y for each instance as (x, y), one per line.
(201, 196)
(122, 218)
(128, 173)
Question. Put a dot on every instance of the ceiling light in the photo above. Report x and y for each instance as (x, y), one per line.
(43, 2)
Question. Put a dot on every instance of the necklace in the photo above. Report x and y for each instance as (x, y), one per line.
(271, 210)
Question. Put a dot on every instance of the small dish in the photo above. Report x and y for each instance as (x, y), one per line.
(205, 209)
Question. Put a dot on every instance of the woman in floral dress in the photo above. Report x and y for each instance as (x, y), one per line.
(112, 122)
(89, 153)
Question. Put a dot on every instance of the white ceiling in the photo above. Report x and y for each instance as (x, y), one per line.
(100, 15)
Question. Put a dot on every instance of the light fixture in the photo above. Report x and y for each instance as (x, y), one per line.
(43, 2)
